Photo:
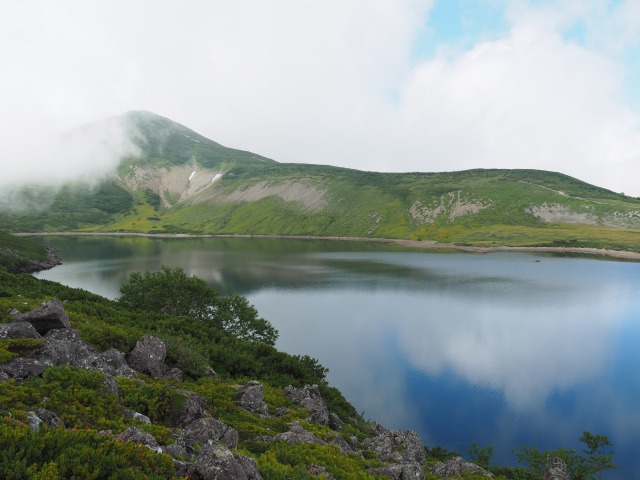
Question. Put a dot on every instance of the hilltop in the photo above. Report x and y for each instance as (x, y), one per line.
(182, 182)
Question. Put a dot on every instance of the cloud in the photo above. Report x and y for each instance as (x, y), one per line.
(336, 82)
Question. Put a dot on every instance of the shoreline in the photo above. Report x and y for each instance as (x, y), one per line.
(418, 244)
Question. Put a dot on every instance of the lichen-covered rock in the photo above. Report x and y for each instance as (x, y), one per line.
(173, 373)
(251, 398)
(21, 368)
(215, 462)
(47, 316)
(177, 451)
(136, 435)
(148, 356)
(556, 469)
(18, 330)
(202, 430)
(3, 376)
(309, 398)
(297, 434)
(341, 443)
(454, 467)
(65, 347)
(109, 385)
(125, 371)
(405, 471)
(136, 416)
(396, 446)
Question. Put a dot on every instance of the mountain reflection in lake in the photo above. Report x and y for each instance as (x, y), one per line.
(501, 349)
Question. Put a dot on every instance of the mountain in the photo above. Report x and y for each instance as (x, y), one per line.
(182, 182)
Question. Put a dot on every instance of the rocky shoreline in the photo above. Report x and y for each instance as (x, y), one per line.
(419, 244)
(33, 266)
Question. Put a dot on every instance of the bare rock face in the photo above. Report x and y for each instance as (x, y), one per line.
(556, 469)
(148, 356)
(406, 471)
(49, 418)
(396, 446)
(205, 429)
(251, 398)
(18, 330)
(215, 462)
(47, 316)
(309, 398)
(453, 468)
(297, 434)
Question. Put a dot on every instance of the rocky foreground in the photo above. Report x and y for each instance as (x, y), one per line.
(201, 446)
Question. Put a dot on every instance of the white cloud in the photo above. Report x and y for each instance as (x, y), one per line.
(333, 82)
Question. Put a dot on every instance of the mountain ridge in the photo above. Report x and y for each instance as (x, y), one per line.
(182, 182)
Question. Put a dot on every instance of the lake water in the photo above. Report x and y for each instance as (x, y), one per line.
(502, 349)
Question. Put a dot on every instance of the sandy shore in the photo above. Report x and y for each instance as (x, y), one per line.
(420, 244)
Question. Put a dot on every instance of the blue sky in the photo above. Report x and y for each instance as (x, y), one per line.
(384, 85)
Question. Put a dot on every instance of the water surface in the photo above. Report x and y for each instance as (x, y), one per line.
(502, 349)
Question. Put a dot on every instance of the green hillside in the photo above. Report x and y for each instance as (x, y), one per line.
(19, 254)
(185, 183)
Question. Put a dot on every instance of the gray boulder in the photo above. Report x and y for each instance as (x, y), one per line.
(177, 451)
(148, 356)
(18, 330)
(125, 371)
(405, 471)
(65, 347)
(114, 358)
(193, 408)
(21, 368)
(319, 470)
(556, 469)
(202, 430)
(454, 467)
(215, 462)
(4, 376)
(396, 446)
(251, 398)
(109, 385)
(136, 435)
(309, 398)
(47, 316)
(297, 434)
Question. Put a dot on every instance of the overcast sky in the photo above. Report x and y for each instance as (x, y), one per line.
(384, 85)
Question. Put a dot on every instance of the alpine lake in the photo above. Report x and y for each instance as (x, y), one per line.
(503, 349)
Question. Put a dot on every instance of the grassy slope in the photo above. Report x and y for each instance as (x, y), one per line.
(364, 204)
(78, 398)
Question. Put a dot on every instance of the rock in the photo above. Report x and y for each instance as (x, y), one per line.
(309, 398)
(47, 316)
(13, 312)
(148, 356)
(334, 421)
(193, 408)
(177, 451)
(396, 446)
(251, 398)
(341, 443)
(21, 368)
(405, 471)
(110, 386)
(453, 468)
(33, 421)
(215, 462)
(49, 418)
(114, 358)
(297, 434)
(126, 371)
(173, 374)
(3, 376)
(65, 347)
(556, 469)
(202, 430)
(137, 416)
(18, 330)
(136, 435)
